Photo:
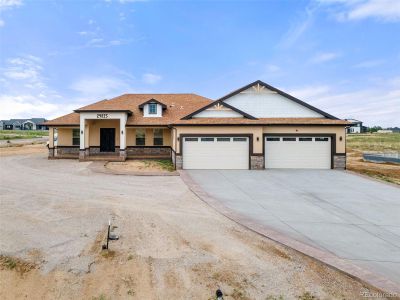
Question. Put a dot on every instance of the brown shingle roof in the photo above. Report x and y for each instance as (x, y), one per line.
(70, 119)
(261, 121)
(178, 106)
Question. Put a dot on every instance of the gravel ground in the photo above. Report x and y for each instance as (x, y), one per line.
(172, 246)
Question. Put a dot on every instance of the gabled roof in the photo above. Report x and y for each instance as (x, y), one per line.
(179, 105)
(290, 97)
(246, 115)
(152, 100)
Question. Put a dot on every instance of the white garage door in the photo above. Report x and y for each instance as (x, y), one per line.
(297, 152)
(215, 153)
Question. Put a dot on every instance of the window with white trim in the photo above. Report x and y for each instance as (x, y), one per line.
(152, 108)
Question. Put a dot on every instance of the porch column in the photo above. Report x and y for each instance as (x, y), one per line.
(82, 138)
(51, 143)
(122, 136)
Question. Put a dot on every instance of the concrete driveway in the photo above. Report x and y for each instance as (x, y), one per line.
(355, 218)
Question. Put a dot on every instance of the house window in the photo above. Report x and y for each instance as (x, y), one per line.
(289, 139)
(305, 139)
(152, 108)
(140, 137)
(324, 139)
(158, 137)
(75, 137)
(273, 139)
(223, 139)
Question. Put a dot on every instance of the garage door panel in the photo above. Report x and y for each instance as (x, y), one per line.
(221, 153)
(303, 153)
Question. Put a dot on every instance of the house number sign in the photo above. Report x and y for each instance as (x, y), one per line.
(102, 116)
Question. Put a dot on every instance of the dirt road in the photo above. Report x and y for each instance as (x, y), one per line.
(172, 246)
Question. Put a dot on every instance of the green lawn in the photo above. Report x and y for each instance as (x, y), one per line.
(382, 142)
(22, 134)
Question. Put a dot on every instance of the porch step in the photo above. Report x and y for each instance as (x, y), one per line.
(103, 158)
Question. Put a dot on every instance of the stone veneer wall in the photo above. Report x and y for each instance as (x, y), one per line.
(67, 150)
(165, 151)
(257, 162)
(339, 162)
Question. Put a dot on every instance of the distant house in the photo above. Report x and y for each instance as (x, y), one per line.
(385, 131)
(356, 127)
(23, 124)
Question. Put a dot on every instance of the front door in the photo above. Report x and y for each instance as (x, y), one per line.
(107, 139)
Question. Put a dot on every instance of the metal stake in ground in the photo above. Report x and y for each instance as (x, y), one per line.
(108, 232)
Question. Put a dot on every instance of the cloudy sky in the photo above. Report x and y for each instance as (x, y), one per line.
(342, 56)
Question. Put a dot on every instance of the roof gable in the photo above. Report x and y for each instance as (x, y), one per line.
(262, 93)
(152, 100)
(218, 105)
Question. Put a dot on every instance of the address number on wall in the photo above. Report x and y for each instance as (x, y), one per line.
(102, 116)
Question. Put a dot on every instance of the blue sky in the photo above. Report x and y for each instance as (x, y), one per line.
(342, 56)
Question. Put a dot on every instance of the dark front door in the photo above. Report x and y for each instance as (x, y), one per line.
(107, 139)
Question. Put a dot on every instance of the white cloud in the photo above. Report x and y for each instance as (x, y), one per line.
(273, 68)
(101, 87)
(370, 63)
(6, 4)
(297, 30)
(377, 105)
(151, 78)
(384, 10)
(324, 57)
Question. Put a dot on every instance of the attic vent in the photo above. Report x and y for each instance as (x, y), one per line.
(258, 87)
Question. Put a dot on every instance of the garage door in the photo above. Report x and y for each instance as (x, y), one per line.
(297, 152)
(216, 153)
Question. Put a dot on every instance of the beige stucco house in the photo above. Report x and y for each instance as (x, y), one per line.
(254, 127)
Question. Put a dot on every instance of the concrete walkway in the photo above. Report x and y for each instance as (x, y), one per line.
(352, 217)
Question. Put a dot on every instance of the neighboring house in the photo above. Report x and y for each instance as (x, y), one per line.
(385, 131)
(355, 127)
(254, 127)
(23, 124)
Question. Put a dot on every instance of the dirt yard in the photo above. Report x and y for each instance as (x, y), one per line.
(23, 149)
(357, 144)
(53, 219)
(144, 166)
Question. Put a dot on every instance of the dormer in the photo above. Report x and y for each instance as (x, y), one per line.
(152, 108)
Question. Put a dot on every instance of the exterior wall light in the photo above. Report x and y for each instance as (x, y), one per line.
(81, 131)
(258, 138)
(341, 138)
(122, 132)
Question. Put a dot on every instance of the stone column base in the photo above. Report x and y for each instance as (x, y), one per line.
(257, 162)
(339, 162)
(122, 153)
(82, 154)
(51, 153)
(178, 162)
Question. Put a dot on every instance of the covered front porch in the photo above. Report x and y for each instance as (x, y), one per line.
(105, 136)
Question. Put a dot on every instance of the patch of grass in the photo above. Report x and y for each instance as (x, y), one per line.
(101, 297)
(130, 257)
(22, 134)
(307, 296)
(382, 142)
(10, 263)
(166, 164)
(109, 254)
(19, 265)
(131, 292)
(271, 297)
